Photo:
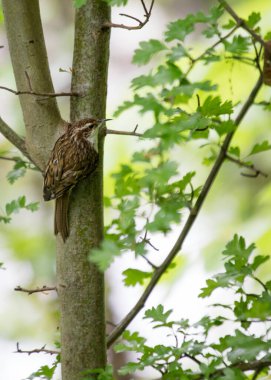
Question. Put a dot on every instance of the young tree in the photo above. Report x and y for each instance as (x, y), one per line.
(152, 193)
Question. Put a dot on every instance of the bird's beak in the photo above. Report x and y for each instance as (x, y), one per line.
(103, 120)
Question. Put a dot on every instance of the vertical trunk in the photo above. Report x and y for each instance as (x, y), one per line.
(80, 284)
(31, 70)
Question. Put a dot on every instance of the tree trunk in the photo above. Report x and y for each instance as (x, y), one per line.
(80, 284)
(29, 60)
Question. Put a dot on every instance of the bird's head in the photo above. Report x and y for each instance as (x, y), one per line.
(88, 129)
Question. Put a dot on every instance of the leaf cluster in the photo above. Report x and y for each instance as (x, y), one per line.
(193, 353)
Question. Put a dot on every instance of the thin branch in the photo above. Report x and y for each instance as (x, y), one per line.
(15, 139)
(189, 223)
(47, 94)
(221, 39)
(18, 159)
(241, 22)
(251, 167)
(192, 358)
(37, 290)
(140, 25)
(257, 365)
(36, 350)
(260, 282)
(123, 133)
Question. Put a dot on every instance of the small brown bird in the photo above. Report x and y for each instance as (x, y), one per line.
(74, 157)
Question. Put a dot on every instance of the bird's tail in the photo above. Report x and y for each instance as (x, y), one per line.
(61, 216)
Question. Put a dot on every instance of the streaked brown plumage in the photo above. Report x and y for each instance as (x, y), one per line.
(74, 157)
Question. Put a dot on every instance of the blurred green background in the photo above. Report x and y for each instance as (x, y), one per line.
(235, 204)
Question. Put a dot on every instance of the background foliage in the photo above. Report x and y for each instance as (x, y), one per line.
(185, 102)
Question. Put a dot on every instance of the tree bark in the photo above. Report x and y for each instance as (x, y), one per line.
(80, 284)
(31, 69)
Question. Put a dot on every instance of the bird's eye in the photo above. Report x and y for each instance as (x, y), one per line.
(87, 125)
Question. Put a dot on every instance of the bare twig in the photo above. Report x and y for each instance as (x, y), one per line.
(16, 140)
(256, 172)
(241, 22)
(37, 290)
(47, 94)
(124, 133)
(140, 25)
(35, 351)
(189, 222)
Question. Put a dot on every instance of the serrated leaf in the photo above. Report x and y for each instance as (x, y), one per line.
(133, 277)
(243, 347)
(178, 30)
(157, 314)
(147, 50)
(260, 147)
(213, 106)
(253, 19)
(239, 45)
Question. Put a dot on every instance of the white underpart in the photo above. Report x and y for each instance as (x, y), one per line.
(93, 138)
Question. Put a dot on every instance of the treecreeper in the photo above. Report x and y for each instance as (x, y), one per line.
(74, 156)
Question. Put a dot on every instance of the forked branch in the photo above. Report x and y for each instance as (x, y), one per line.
(43, 289)
(35, 350)
(241, 22)
(124, 133)
(194, 212)
(140, 25)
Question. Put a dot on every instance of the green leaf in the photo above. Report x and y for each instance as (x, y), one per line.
(208, 290)
(230, 24)
(15, 205)
(147, 50)
(178, 30)
(213, 106)
(44, 372)
(118, 3)
(225, 127)
(157, 314)
(99, 373)
(260, 147)
(5, 219)
(253, 19)
(233, 374)
(135, 276)
(239, 45)
(18, 171)
(79, 3)
(237, 248)
(243, 347)
(235, 151)
(105, 255)
(34, 206)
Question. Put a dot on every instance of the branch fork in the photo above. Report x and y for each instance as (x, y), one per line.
(140, 25)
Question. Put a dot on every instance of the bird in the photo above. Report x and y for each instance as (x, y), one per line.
(74, 156)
